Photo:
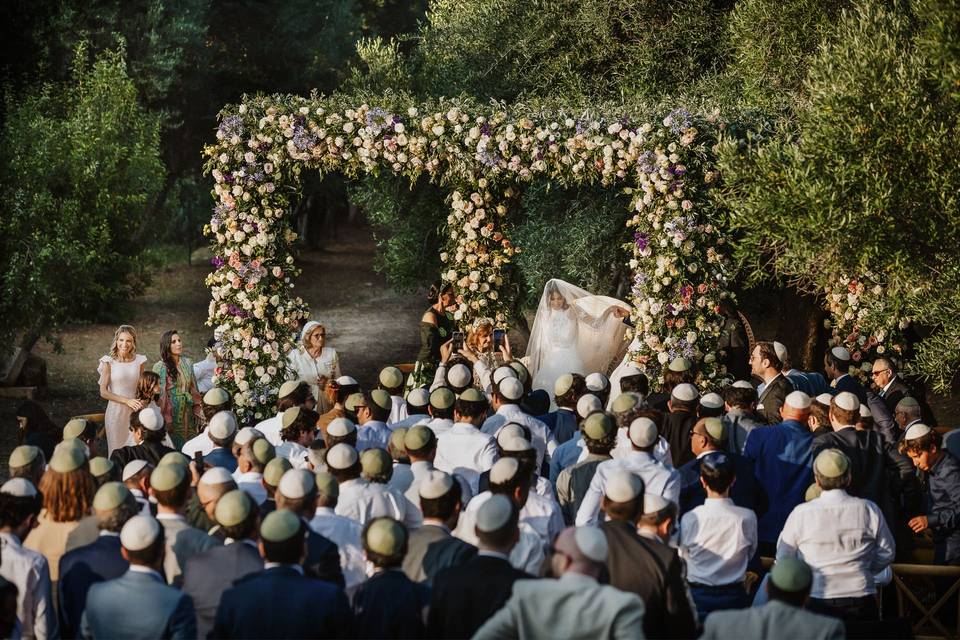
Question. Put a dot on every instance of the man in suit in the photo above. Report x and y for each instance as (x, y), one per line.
(810, 382)
(139, 604)
(574, 606)
(280, 601)
(222, 430)
(207, 575)
(215, 483)
(432, 547)
(836, 363)
(640, 561)
(98, 561)
(765, 365)
(298, 493)
(890, 387)
(709, 435)
(388, 604)
(148, 432)
(783, 615)
(567, 390)
(464, 596)
(739, 403)
(682, 406)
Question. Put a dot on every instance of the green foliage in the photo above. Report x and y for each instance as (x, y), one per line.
(82, 164)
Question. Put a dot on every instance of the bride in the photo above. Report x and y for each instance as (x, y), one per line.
(573, 332)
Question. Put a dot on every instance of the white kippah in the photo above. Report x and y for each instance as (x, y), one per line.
(459, 375)
(504, 470)
(591, 542)
(511, 388)
(597, 382)
(508, 431)
(296, 483)
(19, 487)
(247, 434)
(630, 370)
(846, 401)
(341, 427)
(139, 533)
(435, 484)
(216, 475)
(797, 400)
(345, 381)
(587, 404)
(712, 401)
(825, 398)
(515, 444)
(916, 430)
(222, 425)
(742, 384)
(643, 432)
(494, 513)
(133, 468)
(341, 456)
(781, 350)
(685, 392)
(503, 372)
(150, 418)
(623, 486)
(654, 502)
(840, 353)
(419, 397)
(865, 411)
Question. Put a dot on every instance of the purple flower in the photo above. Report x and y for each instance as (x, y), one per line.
(680, 120)
(217, 261)
(641, 240)
(485, 129)
(231, 126)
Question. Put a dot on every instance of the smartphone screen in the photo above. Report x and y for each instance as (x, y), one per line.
(457, 341)
(498, 335)
(198, 460)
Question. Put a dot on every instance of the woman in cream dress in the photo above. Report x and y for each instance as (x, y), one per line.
(119, 373)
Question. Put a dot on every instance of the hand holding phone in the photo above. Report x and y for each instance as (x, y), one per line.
(498, 335)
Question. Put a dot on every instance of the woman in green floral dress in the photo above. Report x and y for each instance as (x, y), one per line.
(179, 400)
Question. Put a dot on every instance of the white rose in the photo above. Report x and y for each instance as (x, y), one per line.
(663, 357)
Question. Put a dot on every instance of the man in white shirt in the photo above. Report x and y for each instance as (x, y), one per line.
(343, 531)
(215, 400)
(20, 505)
(421, 445)
(442, 400)
(254, 456)
(391, 381)
(507, 393)
(136, 477)
(343, 461)
(203, 371)
(657, 478)
(381, 499)
(717, 540)
(845, 540)
(293, 393)
(418, 409)
(298, 430)
(372, 414)
(464, 449)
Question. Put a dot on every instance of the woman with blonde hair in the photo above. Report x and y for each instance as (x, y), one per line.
(315, 362)
(119, 373)
(180, 401)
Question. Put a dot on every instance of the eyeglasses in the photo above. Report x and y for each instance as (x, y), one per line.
(875, 372)
(697, 433)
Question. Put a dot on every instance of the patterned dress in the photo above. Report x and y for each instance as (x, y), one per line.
(179, 401)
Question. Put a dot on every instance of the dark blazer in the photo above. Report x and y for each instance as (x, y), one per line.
(464, 597)
(430, 549)
(654, 572)
(149, 451)
(323, 559)
(897, 391)
(221, 457)
(280, 603)
(390, 605)
(744, 491)
(772, 398)
(212, 572)
(562, 423)
(80, 569)
(676, 431)
(849, 383)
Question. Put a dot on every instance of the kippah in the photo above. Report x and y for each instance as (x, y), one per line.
(504, 470)
(510, 430)
(742, 384)
(216, 397)
(287, 388)
(797, 400)
(473, 395)
(715, 428)
(494, 513)
(346, 381)
(381, 398)
(598, 426)
(907, 402)
(222, 425)
(215, 475)
(390, 377)
(865, 411)
(442, 398)
(341, 456)
(459, 375)
(289, 416)
(375, 462)
(19, 487)
(840, 353)
(623, 486)
(23, 455)
(273, 472)
(327, 485)
(515, 444)
(791, 575)
(263, 452)
(67, 459)
(174, 457)
(353, 401)
(74, 428)
(150, 418)
(280, 526)
(110, 496)
(100, 466)
(812, 493)
(591, 542)
(916, 431)
(597, 382)
(680, 365)
(503, 372)
(831, 463)
(397, 437)
(587, 404)
(685, 392)
(711, 401)
(846, 401)
(716, 461)
(417, 437)
(522, 372)
(825, 399)
(340, 427)
(296, 483)
(643, 432)
(139, 533)
(167, 477)
(133, 468)
(385, 536)
(418, 397)
(625, 402)
(781, 350)
(510, 388)
(562, 384)
(233, 508)
(73, 444)
(653, 503)
(435, 484)
(247, 434)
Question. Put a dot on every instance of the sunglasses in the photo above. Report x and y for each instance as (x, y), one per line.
(875, 373)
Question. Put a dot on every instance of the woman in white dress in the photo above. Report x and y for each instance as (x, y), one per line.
(315, 363)
(119, 373)
(574, 332)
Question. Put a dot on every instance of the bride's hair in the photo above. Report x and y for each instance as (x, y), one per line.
(552, 288)
(437, 289)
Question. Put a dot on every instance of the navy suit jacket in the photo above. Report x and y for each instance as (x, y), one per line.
(744, 491)
(849, 383)
(280, 603)
(138, 605)
(212, 572)
(562, 423)
(80, 569)
(221, 457)
(390, 605)
(323, 559)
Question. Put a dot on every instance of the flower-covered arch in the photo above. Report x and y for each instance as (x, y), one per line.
(484, 154)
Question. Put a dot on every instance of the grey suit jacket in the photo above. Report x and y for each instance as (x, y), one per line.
(138, 605)
(430, 549)
(773, 620)
(207, 575)
(182, 542)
